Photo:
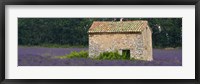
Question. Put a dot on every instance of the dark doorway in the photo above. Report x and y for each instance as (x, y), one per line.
(126, 53)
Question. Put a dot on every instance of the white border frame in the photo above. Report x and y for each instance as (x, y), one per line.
(186, 71)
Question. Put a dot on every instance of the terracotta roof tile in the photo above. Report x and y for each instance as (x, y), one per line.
(120, 26)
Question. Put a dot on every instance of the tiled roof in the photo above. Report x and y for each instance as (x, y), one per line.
(119, 26)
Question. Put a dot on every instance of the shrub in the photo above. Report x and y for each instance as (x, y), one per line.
(103, 56)
(111, 56)
(74, 54)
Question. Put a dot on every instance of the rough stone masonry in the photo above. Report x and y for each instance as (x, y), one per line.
(135, 36)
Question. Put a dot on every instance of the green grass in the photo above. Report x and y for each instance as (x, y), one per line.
(112, 56)
(103, 56)
(74, 54)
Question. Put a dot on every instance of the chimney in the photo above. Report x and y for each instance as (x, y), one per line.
(121, 19)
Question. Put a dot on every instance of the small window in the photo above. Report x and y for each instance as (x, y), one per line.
(126, 53)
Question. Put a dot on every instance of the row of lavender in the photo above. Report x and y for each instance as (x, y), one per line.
(35, 56)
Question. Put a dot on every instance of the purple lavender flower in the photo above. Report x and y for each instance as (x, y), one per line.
(36, 56)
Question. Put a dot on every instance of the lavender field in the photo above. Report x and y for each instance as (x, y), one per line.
(37, 56)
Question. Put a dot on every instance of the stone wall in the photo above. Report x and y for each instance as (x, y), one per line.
(101, 42)
(146, 34)
(149, 45)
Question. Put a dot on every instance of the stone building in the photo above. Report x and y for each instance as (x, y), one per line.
(130, 37)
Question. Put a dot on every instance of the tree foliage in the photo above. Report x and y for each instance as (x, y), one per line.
(167, 32)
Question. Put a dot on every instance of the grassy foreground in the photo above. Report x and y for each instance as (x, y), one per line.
(103, 56)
